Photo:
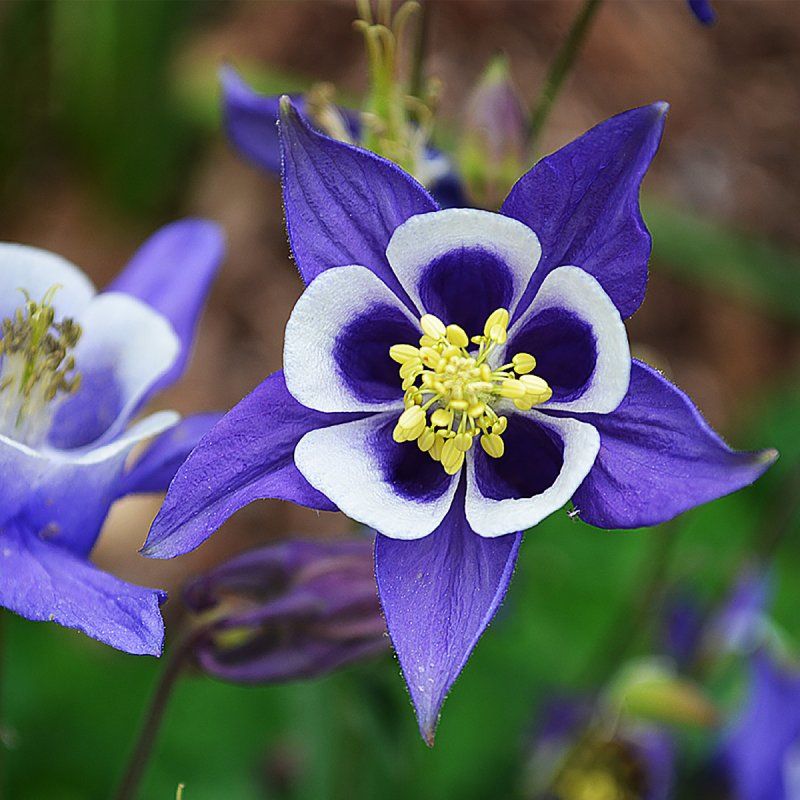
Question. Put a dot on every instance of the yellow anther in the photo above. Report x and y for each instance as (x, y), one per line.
(403, 352)
(459, 405)
(427, 341)
(525, 404)
(452, 457)
(493, 445)
(463, 441)
(513, 389)
(457, 336)
(500, 426)
(523, 363)
(536, 388)
(411, 367)
(476, 410)
(426, 440)
(410, 425)
(442, 418)
(436, 450)
(432, 326)
(497, 322)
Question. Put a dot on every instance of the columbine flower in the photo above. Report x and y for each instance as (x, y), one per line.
(75, 368)
(294, 610)
(516, 390)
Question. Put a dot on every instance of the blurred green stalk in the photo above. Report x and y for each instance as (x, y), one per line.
(560, 68)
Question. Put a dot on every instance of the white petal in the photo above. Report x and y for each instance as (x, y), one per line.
(36, 271)
(332, 301)
(488, 517)
(576, 291)
(128, 338)
(426, 237)
(343, 464)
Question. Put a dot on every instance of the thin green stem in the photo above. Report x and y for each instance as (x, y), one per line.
(420, 49)
(560, 68)
(154, 716)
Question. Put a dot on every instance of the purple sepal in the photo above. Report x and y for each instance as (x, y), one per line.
(438, 595)
(248, 455)
(51, 584)
(155, 469)
(300, 609)
(703, 10)
(172, 272)
(658, 457)
(342, 203)
(583, 203)
(759, 753)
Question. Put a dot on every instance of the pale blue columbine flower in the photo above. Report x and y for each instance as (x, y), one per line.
(516, 392)
(76, 367)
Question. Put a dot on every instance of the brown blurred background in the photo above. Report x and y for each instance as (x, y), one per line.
(729, 156)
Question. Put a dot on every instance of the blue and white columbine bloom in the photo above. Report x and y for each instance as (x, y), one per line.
(75, 368)
(516, 390)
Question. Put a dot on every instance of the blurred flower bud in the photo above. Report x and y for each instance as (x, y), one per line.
(293, 610)
(578, 753)
(649, 689)
(493, 151)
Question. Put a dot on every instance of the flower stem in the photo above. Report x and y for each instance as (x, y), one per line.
(420, 49)
(560, 68)
(139, 758)
(3, 736)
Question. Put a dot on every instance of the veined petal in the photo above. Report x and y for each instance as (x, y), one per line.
(545, 461)
(463, 263)
(659, 457)
(336, 352)
(172, 272)
(155, 469)
(438, 595)
(246, 456)
(45, 582)
(35, 271)
(67, 494)
(342, 203)
(583, 203)
(391, 487)
(579, 341)
(125, 347)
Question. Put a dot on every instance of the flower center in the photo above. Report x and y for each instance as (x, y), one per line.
(36, 367)
(450, 389)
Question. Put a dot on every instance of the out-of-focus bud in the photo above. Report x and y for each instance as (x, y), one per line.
(493, 152)
(293, 610)
(650, 689)
(579, 753)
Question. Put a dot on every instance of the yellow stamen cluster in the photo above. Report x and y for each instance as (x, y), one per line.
(36, 365)
(451, 388)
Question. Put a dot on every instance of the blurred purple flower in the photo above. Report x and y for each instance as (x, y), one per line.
(760, 754)
(575, 756)
(703, 11)
(294, 610)
(737, 626)
(75, 368)
(337, 429)
(251, 122)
